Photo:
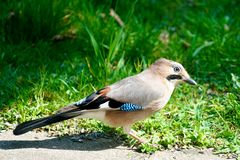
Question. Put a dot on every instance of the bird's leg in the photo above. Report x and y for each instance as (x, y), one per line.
(134, 135)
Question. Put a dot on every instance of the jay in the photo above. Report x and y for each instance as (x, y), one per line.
(125, 102)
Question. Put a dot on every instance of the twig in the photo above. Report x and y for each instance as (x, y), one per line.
(116, 17)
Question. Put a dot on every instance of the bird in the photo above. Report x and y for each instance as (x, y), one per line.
(125, 102)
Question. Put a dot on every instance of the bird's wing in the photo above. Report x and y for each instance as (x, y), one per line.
(135, 90)
(93, 101)
(129, 94)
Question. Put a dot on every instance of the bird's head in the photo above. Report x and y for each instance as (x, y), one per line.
(174, 72)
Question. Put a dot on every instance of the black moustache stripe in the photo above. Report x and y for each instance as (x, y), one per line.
(173, 77)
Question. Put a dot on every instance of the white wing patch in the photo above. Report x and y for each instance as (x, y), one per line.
(104, 105)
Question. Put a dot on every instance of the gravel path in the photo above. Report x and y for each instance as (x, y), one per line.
(38, 146)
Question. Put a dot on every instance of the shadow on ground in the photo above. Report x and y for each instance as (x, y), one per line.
(62, 143)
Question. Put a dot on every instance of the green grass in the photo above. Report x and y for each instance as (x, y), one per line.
(39, 75)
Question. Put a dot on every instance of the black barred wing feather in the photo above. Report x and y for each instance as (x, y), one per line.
(92, 101)
(99, 100)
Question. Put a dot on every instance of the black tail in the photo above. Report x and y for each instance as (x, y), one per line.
(73, 110)
(30, 125)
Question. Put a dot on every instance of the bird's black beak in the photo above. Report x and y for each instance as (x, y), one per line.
(190, 81)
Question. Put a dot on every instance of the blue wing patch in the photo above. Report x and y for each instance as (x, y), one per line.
(129, 107)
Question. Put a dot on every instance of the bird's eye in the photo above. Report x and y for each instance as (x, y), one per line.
(176, 69)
